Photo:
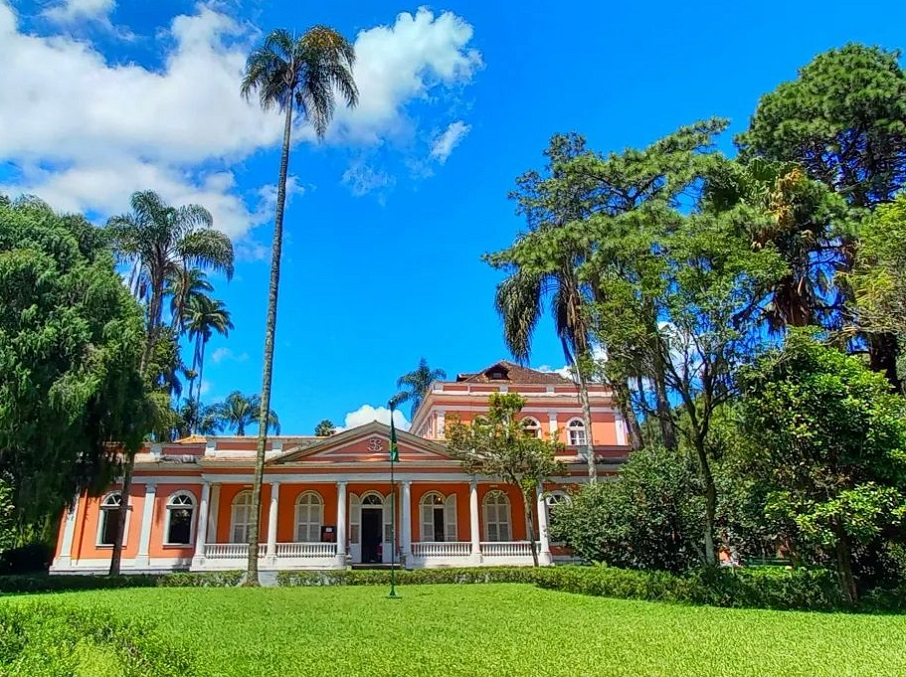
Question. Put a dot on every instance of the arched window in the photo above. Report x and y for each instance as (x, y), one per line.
(373, 500)
(109, 520)
(497, 517)
(557, 497)
(309, 517)
(532, 426)
(180, 508)
(576, 433)
(240, 517)
(438, 517)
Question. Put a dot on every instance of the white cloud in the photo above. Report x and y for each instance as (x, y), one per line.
(84, 133)
(445, 143)
(205, 387)
(225, 354)
(598, 354)
(70, 11)
(363, 179)
(366, 414)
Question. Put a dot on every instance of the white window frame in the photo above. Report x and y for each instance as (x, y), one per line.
(427, 505)
(170, 507)
(506, 506)
(247, 505)
(549, 502)
(102, 518)
(310, 506)
(535, 426)
(576, 425)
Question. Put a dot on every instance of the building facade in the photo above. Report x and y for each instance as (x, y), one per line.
(327, 502)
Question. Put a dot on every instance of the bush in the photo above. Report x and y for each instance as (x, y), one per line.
(29, 559)
(413, 577)
(762, 588)
(50, 640)
(19, 585)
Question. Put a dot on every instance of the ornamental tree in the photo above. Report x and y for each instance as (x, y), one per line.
(71, 340)
(832, 441)
(498, 445)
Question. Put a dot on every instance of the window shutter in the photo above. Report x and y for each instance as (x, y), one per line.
(450, 519)
(355, 517)
(426, 515)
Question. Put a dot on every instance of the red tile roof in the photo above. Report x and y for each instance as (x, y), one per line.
(509, 372)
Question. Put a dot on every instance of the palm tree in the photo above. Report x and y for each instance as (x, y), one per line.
(238, 411)
(291, 74)
(203, 317)
(157, 239)
(417, 383)
(325, 428)
(183, 286)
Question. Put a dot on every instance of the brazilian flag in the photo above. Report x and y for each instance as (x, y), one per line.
(394, 450)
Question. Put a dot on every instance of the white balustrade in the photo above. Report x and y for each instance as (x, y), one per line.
(508, 548)
(230, 550)
(303, 550)
(441, 549)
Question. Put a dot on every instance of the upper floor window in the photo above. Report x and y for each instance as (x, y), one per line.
(532, 426)
(109, 519)
(576, 434)
(180, 508)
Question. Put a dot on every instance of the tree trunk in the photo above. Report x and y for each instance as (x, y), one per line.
(117, 555)
(586, 419)
(204, 343)
(624, 402)
(882, 352)
(664, 412)
(269, 331)
(530, 526)
(844, 566)
(154, 313)
(710, 501)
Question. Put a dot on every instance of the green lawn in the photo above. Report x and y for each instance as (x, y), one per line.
(498, 630)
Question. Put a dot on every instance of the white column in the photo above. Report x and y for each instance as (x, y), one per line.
(406, 525)
(201, 532)
(211, 535)
(64, 559)
(144, 540)
(552, 422)
(544, 557)
(272, 524)
(441, 425)
(621, 428)
(474, 529)
(341, 525)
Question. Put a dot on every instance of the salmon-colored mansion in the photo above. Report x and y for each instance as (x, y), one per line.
(327, 500)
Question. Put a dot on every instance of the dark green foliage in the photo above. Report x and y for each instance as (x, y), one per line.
(19, 585)
(762, 588)
(650, 517)
(831, 440)
(28, 559)
(413, 577)
(51, 640)
(70, 342)
(843, 118)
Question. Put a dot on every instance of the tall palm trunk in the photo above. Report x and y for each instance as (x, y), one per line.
(203, 342)
(269, 330)
(582, 383)
(530, 524)
(155, 310)
(623, 399)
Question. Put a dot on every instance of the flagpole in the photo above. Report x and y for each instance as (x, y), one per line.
(393, 453)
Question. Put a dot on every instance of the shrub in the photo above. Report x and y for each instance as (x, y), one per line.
(413, 577)
(29, 559)
(19, 585)
(51, 640)
(763, 588)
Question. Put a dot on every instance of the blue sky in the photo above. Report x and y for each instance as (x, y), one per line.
(389, 216)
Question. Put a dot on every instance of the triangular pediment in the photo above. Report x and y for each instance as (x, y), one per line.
(369, 443)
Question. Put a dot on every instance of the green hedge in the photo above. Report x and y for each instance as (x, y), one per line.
(20, 585)
(53, 640)
(404, 577)
(767, 588)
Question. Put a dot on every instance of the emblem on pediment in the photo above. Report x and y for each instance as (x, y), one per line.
(375, 444)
